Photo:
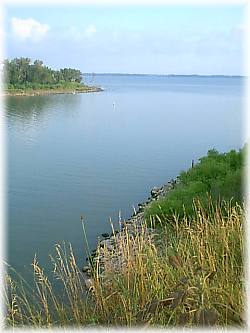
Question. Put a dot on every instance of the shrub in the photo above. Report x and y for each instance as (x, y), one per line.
(216, 176)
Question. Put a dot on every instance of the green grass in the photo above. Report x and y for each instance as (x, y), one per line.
(33, 87)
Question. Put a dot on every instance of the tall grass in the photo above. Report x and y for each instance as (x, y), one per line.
(191, 273)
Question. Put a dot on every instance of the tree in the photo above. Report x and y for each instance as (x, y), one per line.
(20, 71)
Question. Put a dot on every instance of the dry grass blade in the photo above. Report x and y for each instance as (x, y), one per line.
(175, 261)
(210, 276)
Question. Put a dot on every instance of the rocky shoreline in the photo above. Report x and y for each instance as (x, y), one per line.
(41, 92)
(109, 252)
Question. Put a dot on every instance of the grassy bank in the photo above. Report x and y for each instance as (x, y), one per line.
(217, 175)
(30, 89)
(188, 272)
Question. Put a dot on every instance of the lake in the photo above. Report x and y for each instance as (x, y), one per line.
(99, 154)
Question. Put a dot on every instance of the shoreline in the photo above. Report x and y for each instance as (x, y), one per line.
(41, 92)
(128, 228)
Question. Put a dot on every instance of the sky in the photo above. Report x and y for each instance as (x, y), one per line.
(156, 39)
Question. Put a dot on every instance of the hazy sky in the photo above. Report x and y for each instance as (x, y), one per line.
(130, 39)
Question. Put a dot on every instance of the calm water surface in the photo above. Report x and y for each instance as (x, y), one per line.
(100, 153)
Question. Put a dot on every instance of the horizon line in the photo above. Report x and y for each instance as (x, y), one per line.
(153, 74)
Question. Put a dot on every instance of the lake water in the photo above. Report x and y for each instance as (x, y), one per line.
(100, 153)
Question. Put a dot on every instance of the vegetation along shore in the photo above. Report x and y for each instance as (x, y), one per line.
(178, 261)
(24, 78)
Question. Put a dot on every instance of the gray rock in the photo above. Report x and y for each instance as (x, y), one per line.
(156, 191)
(107, 243)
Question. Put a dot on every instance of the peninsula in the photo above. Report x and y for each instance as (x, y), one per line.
(24, 78)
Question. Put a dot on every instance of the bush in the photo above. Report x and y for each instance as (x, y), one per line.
(216, 177)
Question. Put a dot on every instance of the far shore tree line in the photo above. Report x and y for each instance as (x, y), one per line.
(23, 73)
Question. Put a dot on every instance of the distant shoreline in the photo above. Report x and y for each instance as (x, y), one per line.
(40, 92)
(169, 75)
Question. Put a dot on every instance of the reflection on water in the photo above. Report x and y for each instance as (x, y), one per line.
(30, 108)
(72, 155)
(28, 115)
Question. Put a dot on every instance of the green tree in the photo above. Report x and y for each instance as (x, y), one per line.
(21, 72)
